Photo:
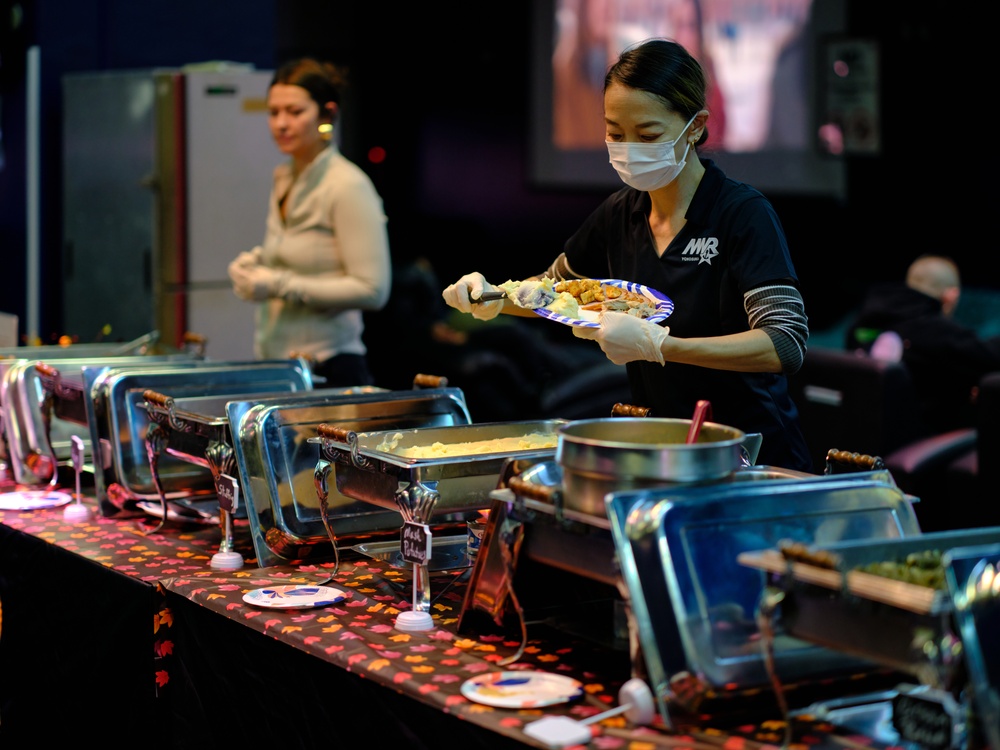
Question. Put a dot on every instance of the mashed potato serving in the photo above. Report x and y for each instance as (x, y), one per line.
(531, 441)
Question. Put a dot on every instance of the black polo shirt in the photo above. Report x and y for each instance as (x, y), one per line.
(731, 243)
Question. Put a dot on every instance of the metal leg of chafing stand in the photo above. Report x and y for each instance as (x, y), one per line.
(770, 598)
(156, 439)
(320, 474)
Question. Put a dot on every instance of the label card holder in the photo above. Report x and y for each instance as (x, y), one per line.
(416, 540)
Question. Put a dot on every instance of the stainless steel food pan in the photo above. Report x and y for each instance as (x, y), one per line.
(279, 459)
(862, 613)
(143, 345)
(599, 456)
(423, 488)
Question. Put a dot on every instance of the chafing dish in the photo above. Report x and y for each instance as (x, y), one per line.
(284, 467)
(42, 403)
(119, 422)
(197, 430)
(691, 604)
(143, 345)
(940, 627)
(599, 456)
(370, 468)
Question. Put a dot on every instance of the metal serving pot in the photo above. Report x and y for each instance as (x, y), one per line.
(598, 456)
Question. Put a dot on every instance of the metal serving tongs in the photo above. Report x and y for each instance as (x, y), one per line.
(531, 295)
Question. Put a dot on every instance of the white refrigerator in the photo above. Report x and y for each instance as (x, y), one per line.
(166, 175)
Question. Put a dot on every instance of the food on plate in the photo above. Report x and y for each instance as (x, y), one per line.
(568, 298)
(591, 294)
(530, 441)
(536, 293)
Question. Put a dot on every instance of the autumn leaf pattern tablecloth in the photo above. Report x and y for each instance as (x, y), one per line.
(358, 633)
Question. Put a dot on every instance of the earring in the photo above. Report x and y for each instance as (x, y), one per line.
(326, 130)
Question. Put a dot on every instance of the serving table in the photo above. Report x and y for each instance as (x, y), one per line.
(78, 654)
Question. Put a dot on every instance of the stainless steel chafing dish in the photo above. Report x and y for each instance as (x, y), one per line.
(424, 488)
(670, 553)
(284, 474)
(42, 403)
(940, 625)
(695, 605)
(197, 430)
(143, 345)
(119, 422)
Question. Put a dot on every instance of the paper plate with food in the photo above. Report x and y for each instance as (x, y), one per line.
(580, 302)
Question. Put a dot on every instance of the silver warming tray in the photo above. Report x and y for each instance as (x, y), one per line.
(426, 488)
(694, 605)
(926, 605)
(42, 403)
(119, 422)
(143, 345)
(282, 470)
(197, 430)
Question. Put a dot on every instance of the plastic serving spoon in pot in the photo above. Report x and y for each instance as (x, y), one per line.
(702, 411)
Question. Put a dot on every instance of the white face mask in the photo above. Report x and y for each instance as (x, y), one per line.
(648, 166)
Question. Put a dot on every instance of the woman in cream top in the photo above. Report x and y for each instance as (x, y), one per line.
(325, 256)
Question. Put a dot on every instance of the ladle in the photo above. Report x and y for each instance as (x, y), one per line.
(702, 411)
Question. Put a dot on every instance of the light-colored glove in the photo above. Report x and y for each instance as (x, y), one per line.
(254, 283)
(471, 286)
(247, 259)
(627, 338)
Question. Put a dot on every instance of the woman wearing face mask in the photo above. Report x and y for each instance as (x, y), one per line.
(325, 255)
(713, 245)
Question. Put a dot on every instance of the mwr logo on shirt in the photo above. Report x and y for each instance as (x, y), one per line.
(701, 249)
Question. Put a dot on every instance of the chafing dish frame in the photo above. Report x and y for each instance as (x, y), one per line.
(119, 423)
(279, 507)
(196, 429)
(931, 634)
(682, 616)
(43, 408)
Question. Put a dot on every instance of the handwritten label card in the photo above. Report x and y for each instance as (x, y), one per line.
(928, 718)
(415, 542)
(228, 490)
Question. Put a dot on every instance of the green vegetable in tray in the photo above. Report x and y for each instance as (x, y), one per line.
(923, 568)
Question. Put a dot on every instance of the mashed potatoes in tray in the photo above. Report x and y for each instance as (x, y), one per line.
(531, 441)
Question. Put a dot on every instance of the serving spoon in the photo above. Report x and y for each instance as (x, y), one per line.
(702, 411)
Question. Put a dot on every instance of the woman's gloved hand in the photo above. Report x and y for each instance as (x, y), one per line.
(627, 338)
(254, 283)
(471, 286)
(247, 259)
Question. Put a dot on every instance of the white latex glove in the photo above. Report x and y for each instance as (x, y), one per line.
(470, 287)
(254, 283)
(247, 259)
(627, 338)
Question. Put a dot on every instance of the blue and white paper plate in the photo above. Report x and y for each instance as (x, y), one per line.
(527, 689)
(292, 596)
(33, 499)
(588, 318)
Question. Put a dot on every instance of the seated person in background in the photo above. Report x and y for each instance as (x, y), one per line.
(944, 358)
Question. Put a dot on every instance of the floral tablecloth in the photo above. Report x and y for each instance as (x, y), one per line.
(354, 637)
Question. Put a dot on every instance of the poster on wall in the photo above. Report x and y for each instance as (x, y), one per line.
(851, 98)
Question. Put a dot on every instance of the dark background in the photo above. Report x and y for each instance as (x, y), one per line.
(445, 91)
